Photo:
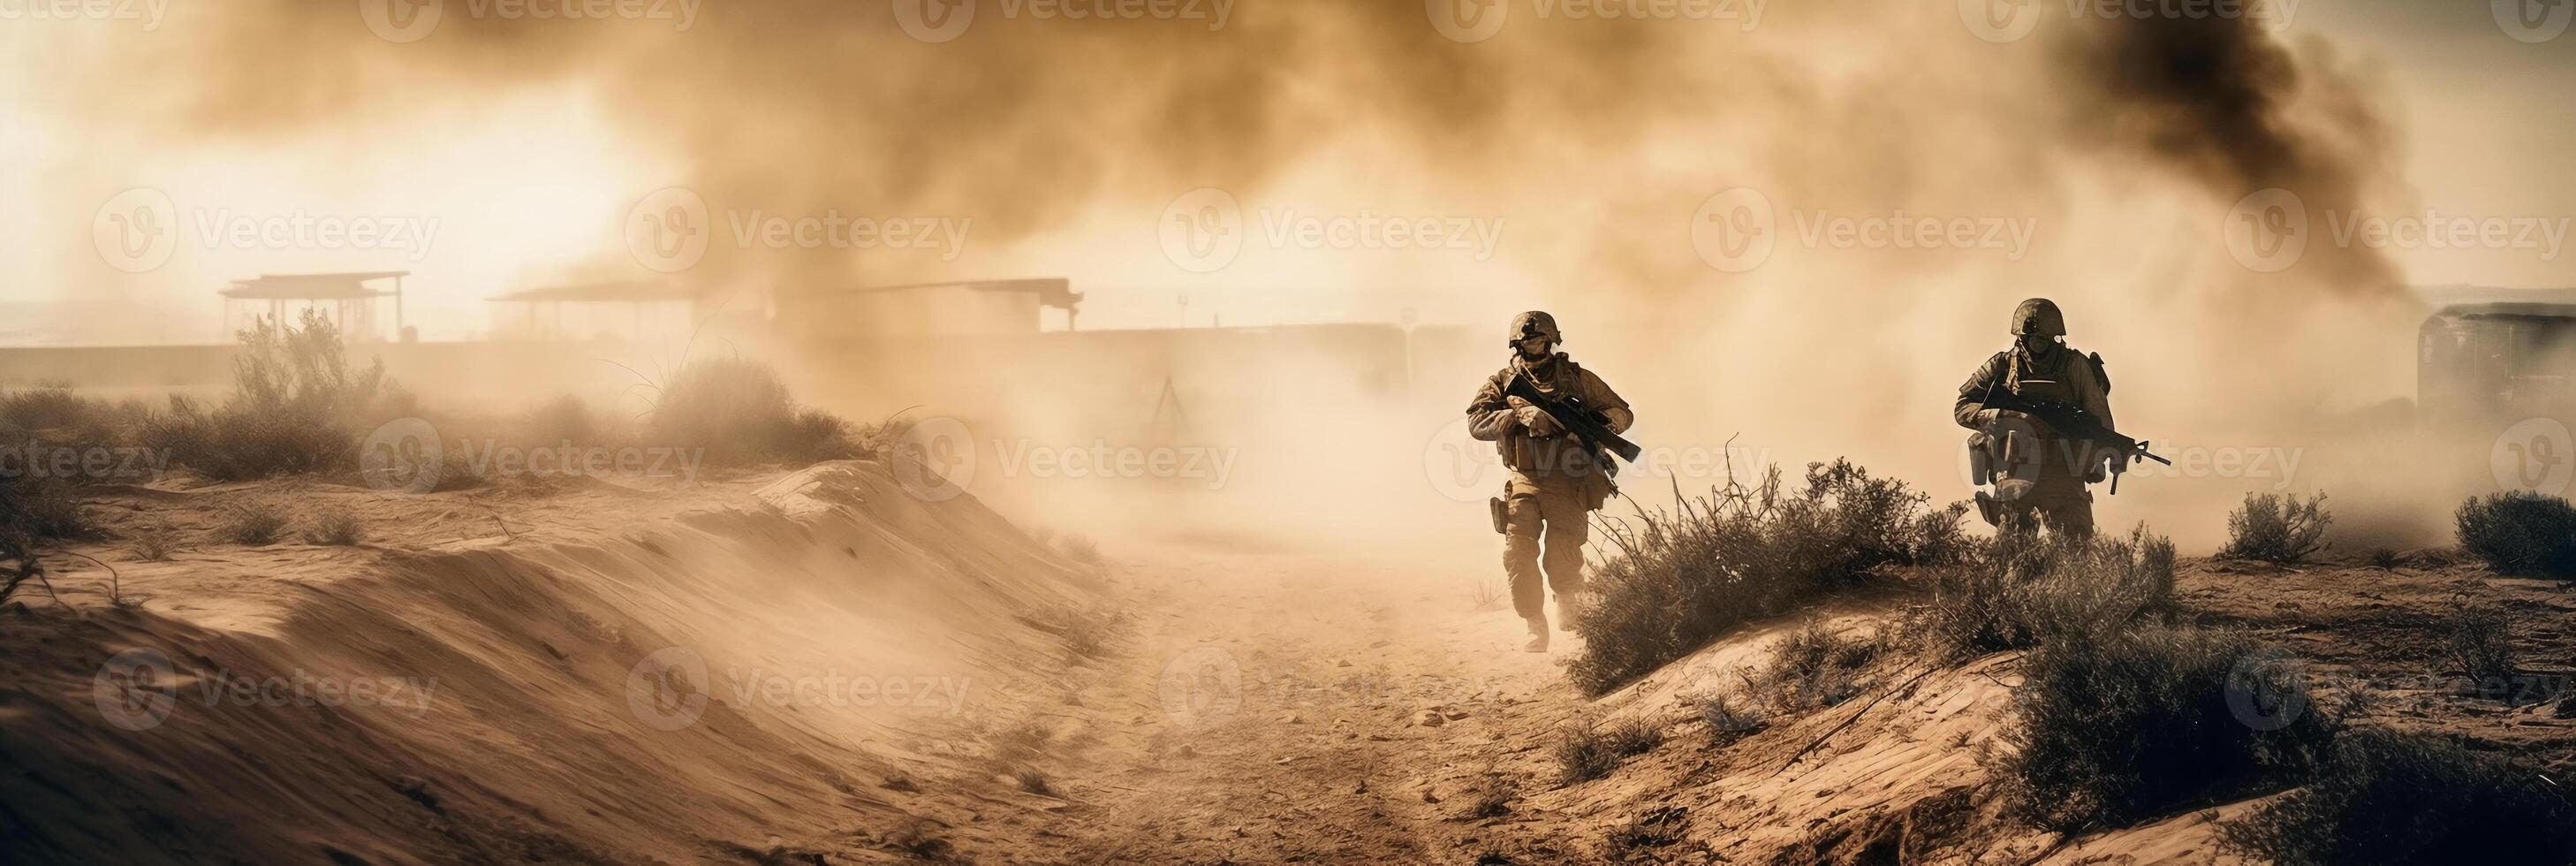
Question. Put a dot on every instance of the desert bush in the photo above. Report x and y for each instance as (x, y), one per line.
(1592, 752)
(253, 523)
(295, 405)
(2384, 797)
(2115, 727)
(1079, 548)
(2025, 589)
(2521, 533)
(48, 406)
(153, 543)
(1690, 574)
(1729, 719)
(1491, 795)
(335, 528)
(2276, 528)
(739, 411)
(1813, 668)
(45, 508)
(2478, 641)
(1088, 632)
(1034, 781)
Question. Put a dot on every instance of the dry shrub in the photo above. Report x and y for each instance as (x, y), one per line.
(153, 543)
(2383, 797)
(1592, 752)
(335, 528)
(739, 412)
(1709, 565)
(2111, 728)
(295, 407)
(1730, 719)
(1491, 795)
(2025, 589)
(2277, 529)
(252, 523)
(2478, 641)
(1813, 668)
(2521, 533)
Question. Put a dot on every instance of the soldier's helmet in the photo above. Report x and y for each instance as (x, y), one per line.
(1535, 324)
(2038, 316)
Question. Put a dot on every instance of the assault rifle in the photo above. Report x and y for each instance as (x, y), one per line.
(1586, 423)
(2070, 421)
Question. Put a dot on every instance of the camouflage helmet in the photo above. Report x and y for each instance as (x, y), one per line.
(2038, 316)
(1535, 324)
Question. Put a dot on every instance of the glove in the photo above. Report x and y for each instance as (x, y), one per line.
(1537, 422)
(1988, 417)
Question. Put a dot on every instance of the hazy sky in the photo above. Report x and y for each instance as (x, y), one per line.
(530, 188)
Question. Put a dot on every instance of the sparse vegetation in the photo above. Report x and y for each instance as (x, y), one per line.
(1690, 574)
(1729, 719)
(1078, 548)
(2116, 727)
(739, 412)
(153, 543)
(295, 407)
(2024, 589)
(1033, 781)
(2520, 533)
(252, 523)
(2478, 642)
(1486, 593)
(919, 839)
(1592, 752)
(2277, 529)
(335, 528)
(2384, 797)
(1088, 632)
(1813, 668)
(1491, 795)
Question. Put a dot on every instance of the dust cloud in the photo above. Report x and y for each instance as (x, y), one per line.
(1917, 179)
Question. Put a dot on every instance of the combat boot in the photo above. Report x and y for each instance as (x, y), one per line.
(1538, 634)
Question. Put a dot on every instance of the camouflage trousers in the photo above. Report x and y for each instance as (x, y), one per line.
(1544, 527)
(2056, 499)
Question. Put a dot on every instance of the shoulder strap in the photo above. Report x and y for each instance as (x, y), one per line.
(2099, 373)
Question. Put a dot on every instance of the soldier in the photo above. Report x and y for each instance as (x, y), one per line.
(1556, 481)
(2038, 474)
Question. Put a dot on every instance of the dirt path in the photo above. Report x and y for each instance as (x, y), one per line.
(1277, 707)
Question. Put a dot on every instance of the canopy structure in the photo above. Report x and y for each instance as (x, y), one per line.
(632, 309)
(344, 297)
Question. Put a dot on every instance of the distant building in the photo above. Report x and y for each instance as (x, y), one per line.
(955, 309)
(345, 298)
(635, 310)
(2492, 351)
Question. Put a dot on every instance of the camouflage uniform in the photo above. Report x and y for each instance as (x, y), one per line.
(2043, 476)
(1556, 483)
